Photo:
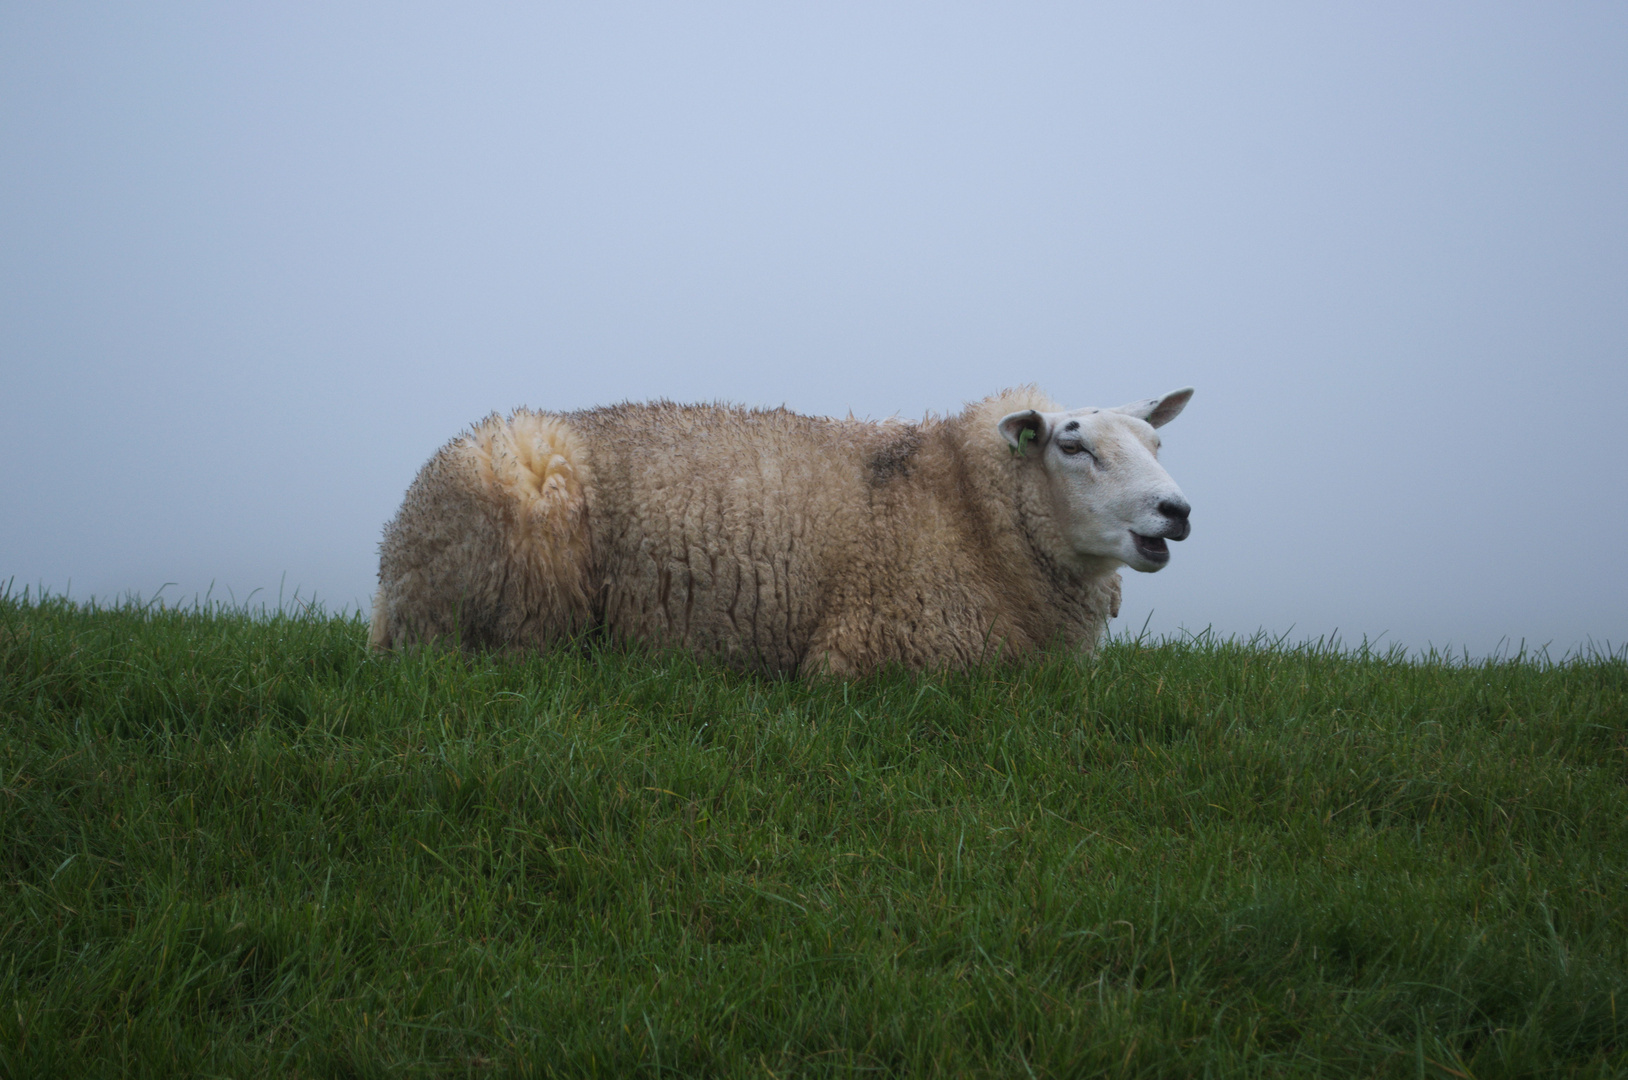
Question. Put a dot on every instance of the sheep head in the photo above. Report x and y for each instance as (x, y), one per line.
(1111, 497)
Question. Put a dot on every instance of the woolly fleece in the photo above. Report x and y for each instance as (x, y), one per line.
(774, 541)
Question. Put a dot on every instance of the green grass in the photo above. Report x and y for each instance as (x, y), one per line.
(240, 845)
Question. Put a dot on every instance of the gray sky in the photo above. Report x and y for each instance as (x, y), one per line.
(257, 262)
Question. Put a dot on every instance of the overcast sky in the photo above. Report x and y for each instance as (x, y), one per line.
(257, 262)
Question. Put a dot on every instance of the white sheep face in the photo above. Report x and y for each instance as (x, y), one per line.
(1112, 498)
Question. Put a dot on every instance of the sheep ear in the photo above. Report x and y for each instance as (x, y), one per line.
(1159, 411)
(1022, 428)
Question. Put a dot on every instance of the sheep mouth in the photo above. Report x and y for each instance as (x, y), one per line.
(1151, 548)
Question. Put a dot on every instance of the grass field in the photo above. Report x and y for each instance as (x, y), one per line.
(238, 845)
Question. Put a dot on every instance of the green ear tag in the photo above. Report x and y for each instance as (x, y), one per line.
(1024, 439)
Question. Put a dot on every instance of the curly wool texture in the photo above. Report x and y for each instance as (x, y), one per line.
(774, 541)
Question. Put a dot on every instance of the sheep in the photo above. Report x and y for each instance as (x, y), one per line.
(780, 542)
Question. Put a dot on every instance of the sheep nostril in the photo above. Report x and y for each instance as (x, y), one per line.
(1175, 508)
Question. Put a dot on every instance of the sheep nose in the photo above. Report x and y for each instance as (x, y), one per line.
(1176, 510)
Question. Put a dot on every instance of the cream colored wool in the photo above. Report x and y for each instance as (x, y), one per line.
(771, 540)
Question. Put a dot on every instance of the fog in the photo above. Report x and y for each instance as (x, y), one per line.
(257, 263)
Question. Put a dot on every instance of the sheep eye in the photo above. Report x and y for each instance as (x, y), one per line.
(1072, 448)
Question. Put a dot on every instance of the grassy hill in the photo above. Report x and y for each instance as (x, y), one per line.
(236, 845)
